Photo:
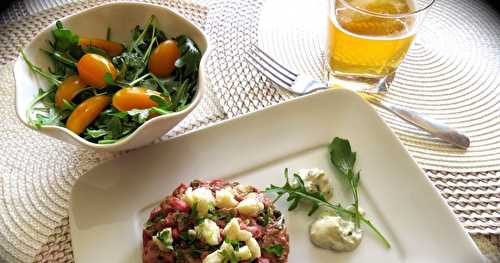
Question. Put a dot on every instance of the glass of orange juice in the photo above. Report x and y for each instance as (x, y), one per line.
(368, 39)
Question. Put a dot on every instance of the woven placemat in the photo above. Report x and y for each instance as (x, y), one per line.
(452, 73)
(37, 172)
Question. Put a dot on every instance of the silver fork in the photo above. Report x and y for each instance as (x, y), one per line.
(302, 85)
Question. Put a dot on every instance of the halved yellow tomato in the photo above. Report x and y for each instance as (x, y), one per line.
(92, 68)
(112, 48)
(162, 59)
(86, 112)
(69, 88)
(134, 98)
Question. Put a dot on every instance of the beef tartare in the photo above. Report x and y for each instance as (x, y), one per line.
(215, 222)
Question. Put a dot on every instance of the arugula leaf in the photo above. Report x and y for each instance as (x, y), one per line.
(276, 249)
(60, 57)
(186, 237)
(51, 78)
(215, 215)
(165, 237)
(132, 60)
(159, 111)
(181, 95)
(115, 126)
(190, 55)
(344, 159)
(96, 133)
(193, 214)
(234, 243)
(141, 115)
(68, 105)
(166, 86)
(108, 78)
(229, 256)
(341, 155)
(64, 38)
(163, 105)
(39, 117)
(106, 141)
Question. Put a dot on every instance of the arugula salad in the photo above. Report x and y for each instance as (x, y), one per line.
(103, 90)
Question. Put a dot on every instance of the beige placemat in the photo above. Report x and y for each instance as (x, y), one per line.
(37, 172)
(452, 73)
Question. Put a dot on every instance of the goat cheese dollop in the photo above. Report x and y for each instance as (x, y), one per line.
(335, 233)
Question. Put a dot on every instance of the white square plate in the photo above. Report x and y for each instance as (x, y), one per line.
(111, 202)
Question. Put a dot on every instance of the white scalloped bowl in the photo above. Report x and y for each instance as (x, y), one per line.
(121, 18)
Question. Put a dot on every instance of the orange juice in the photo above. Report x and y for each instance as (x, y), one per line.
(362, 44)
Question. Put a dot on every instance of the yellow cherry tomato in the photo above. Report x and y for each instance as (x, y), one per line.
(112, 48)
(69, 88)
(86, 112)
(134, 98)
(92, 68)
(162, 59)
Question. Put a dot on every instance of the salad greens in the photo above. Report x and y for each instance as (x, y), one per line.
(175, 92)
(343, 159)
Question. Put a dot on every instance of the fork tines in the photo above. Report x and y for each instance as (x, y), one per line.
(270, 67)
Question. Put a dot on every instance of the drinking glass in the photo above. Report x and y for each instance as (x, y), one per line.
(368, 39)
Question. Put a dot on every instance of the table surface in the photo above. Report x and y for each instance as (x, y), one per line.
(473, 195)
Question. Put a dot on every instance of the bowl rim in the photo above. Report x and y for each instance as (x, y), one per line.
(123, 141)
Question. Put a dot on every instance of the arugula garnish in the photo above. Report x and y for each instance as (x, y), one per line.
(343, 159)
(165, 237)
(299, 193)
(276, 249)
(186, 237)
(234, 243)
(229, 256)
(194, 216)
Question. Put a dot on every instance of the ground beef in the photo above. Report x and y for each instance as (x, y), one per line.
(267, 228)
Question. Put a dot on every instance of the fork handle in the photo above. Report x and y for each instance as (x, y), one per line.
(427, 123)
